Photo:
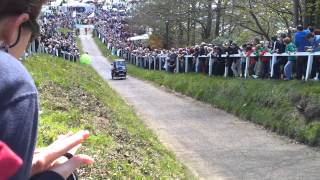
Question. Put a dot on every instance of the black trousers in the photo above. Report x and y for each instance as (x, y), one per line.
(265, 66)
(243, 68)
(279, 66)
(228, 64)
(218, 67)
(315, 66)
(301, 67)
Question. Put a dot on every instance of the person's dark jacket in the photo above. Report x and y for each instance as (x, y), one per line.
(172, 59)
(19, 115)
(18, 111)
(232, 50)
(202, 51)
(280, 46)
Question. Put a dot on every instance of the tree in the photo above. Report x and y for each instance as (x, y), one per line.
(297, 13)
(218, 19)
(185, 22)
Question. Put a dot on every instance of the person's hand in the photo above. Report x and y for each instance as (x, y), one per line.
(309, 50)
(52, 157)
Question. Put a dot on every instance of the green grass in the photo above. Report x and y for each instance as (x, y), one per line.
(74, 97)
(103, 48)
(64, 30)
(288, 108)
(78, 41)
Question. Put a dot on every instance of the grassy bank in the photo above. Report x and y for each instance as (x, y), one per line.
(288, 108)
(78, 41)
(74, 97)
(103, 48)
(64, 30)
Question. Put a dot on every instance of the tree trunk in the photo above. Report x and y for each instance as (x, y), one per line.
(223, 26)
(218, 20)
(296, 12)
(208, 27)
(188, 30)
(194, 32)
(167, 45)
(180, 35)
(194, 22)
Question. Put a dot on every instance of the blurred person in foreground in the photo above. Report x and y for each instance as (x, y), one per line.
(19, 100)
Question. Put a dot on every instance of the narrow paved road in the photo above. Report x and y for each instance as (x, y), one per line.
(212, 143)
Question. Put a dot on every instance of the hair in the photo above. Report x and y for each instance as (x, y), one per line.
(14, 7)
(248, 48)
(283, 35)
(310, 35)
(287, 40)
(311, 29)
(256, 40)
(300, 27)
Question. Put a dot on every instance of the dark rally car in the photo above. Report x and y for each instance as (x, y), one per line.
(119, 69)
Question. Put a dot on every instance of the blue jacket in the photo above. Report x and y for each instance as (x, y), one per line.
(19, 115)
(18, 111)
(300, 41)
(316, 43)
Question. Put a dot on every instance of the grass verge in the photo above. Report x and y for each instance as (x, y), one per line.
(103, 48)
(74, 97)
(78, 41)
(288, 108)
(64, 30)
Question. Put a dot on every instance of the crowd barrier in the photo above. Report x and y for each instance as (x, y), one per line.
(191, 63)
(42, 49)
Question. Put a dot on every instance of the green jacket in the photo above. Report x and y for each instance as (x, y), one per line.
(290, 48)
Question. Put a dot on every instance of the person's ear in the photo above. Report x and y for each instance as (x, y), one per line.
(11, 27)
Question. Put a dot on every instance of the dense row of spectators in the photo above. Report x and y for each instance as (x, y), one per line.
(57, 37)
(113, 30)
(113, 27)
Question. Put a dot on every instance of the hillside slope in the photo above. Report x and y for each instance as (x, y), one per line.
(74, 97)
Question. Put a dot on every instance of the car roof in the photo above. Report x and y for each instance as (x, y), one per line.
(119, 60)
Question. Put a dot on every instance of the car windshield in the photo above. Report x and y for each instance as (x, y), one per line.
(120, 63)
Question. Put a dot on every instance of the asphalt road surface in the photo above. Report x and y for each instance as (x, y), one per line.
(211, 143)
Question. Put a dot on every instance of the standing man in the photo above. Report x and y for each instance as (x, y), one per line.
(279, 47)
(300, 42)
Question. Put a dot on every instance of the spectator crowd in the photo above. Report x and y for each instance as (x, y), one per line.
(113, 30)
(57, 36)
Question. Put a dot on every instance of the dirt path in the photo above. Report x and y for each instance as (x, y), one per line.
(212, 143)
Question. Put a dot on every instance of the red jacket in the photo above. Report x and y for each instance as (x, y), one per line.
(252, 59)
(264, 59)
(9, 162)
